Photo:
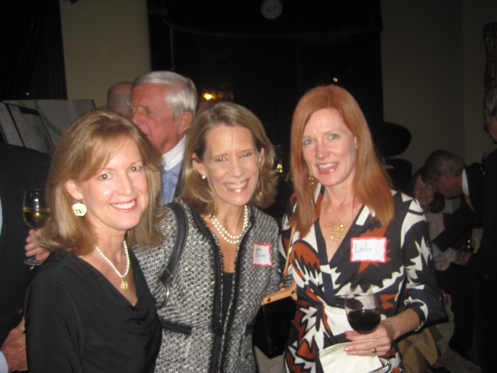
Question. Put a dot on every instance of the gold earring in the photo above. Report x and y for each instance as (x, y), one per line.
(311, 178)
(79, 209)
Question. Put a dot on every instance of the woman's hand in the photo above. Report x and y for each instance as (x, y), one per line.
(32, 247)
(388, 330)
(383, 335)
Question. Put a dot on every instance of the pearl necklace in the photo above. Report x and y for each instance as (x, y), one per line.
(224, 233)
(124, 283)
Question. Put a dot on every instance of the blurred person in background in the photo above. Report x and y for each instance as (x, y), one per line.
(163, 105)
(483, 264)
(118, 98)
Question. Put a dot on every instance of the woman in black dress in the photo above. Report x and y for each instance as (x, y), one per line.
(89, 308)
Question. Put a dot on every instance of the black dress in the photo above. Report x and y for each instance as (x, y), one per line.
(77, 321)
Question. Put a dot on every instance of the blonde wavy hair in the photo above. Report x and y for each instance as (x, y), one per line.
(195, 192)
(82, 151)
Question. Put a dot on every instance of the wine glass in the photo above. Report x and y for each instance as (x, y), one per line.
(36, 214)
(363, 311)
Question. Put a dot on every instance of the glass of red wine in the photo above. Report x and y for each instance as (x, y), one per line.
(363, 311)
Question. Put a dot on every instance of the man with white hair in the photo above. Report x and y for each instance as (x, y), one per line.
(163, 105)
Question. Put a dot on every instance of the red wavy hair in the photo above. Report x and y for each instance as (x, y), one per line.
(372, 185)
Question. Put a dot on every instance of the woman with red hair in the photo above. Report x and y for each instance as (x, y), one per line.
(351, 230)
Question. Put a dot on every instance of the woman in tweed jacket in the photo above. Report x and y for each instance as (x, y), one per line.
(230, 260)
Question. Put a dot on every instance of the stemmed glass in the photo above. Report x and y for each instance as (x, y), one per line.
(363, 311)
(36, 214)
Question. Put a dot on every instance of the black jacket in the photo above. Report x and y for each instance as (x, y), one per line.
(464, 218)
(20, 169)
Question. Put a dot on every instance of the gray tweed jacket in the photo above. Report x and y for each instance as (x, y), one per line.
(194, 336)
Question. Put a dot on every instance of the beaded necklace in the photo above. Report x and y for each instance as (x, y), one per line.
(224, 233)
(124, 283)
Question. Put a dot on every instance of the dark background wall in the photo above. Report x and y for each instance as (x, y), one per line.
(267, 65)
(432, 64)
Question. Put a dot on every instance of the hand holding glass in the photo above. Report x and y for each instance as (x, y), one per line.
(36, 214)
(363, 311)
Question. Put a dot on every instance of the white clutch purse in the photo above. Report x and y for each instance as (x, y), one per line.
(335, 360)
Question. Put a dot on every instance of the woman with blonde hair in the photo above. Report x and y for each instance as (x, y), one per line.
(230, 259)
(89, 308)
(352, 231)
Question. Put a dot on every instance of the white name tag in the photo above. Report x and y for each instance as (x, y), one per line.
(371, 249)
(262, 255)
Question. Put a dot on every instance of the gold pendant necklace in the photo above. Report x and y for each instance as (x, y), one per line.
(338, 229)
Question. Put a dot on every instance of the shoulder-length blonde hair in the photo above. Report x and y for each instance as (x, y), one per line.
(371, 182)
(83, 150)
(195, 191)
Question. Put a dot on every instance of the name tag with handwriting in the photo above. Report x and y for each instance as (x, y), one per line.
(368, 249)
(261, 255)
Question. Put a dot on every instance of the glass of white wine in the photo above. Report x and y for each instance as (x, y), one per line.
(36, 214)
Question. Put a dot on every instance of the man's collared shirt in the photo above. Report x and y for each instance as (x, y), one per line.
(4, 368)
(171, 167)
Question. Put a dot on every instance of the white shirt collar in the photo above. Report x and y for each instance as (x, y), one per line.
(174, 156)
(465, 187)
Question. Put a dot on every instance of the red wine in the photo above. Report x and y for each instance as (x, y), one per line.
(363, 321)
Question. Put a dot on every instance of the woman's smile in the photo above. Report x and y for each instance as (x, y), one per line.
(125, 206)
(238, 186)
(117, 196)
(328, 167)
(329, 148)
(230, 165)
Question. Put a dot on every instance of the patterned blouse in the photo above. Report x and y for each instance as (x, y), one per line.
(383, 257)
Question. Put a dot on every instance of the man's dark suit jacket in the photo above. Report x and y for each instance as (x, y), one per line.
(20, 169)
(464, 218)
(484, 262)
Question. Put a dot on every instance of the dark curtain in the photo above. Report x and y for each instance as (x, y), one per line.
(31, 52)
(270, 76)
(272, 63)
(264, 81)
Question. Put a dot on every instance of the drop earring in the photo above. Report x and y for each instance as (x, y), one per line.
(79, 209)
(311, 178)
